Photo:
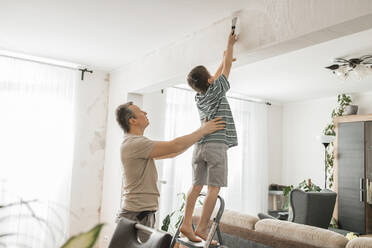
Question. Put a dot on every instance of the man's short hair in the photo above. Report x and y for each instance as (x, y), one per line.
(123, 115)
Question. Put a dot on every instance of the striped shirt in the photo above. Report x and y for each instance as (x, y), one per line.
(214, 104)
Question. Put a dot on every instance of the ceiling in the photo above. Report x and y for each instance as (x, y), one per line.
(300, 75)
(109, 34)
(103, 34)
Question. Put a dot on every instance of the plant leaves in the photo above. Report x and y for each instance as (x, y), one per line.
(166, 223)
(84, 240)
(178, 221)
(343, 100)
(182, 207)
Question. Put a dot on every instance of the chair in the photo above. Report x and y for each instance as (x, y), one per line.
(310, 208)
(125, 236)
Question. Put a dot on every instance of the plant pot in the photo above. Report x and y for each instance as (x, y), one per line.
(351, 110)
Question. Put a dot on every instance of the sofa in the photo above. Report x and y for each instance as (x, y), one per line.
(242, 230)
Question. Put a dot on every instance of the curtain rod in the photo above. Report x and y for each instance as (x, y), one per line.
(50, 64)
(232, 97)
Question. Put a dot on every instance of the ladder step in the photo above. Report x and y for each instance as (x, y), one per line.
(186, 242)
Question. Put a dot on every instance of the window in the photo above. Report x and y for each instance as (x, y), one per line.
(248, 173)
(36, 144)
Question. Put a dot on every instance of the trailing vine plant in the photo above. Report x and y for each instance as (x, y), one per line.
(343, 100)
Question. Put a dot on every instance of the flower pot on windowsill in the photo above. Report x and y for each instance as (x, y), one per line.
(351, 110)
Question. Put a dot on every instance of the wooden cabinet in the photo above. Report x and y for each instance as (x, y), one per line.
(354, 172)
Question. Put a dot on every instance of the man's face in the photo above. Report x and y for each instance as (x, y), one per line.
(141, 117)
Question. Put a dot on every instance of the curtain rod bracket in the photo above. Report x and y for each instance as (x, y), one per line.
(84, 71)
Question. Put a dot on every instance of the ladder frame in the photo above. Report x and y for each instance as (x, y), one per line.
(215, 228)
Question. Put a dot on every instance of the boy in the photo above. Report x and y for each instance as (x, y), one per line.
(210, 154)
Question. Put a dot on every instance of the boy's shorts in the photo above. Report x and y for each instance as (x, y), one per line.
(209, 164)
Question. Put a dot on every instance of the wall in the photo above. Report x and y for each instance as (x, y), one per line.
(303, 155)
(87, 172)
(112, 170)
(154, 105)
(274, 134)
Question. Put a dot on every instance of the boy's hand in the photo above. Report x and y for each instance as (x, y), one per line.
(228, 59)
(212, 125)
(232, 38)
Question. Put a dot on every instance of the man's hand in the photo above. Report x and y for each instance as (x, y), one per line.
(212, 126)
(163, 149)
(207, 128)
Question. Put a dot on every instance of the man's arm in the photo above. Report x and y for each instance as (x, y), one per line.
(166, 148)
(172, 155)
(228, 59)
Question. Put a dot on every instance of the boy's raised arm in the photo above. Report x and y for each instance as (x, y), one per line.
(219, 70)
(228, 58)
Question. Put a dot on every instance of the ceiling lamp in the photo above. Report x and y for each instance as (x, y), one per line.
(344, 68)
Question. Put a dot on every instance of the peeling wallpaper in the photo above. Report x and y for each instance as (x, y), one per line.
(87, 175)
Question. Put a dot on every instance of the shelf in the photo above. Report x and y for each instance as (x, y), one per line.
(275, 192)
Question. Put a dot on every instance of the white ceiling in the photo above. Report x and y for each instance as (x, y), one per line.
(105, 34)
(300, 75)
(109, 34)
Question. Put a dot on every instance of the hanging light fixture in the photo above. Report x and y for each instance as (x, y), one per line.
(344, 68)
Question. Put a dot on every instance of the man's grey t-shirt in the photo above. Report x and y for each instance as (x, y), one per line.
(140, 175)
(214, 104)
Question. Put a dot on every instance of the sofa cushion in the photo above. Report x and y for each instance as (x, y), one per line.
(231, 218)
(302, 233)
(239, 227)
(360, 243)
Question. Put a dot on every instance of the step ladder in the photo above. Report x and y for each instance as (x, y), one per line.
(214, 228)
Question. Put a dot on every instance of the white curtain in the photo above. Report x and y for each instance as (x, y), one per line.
(36, 144)
(247, 189)
(181, 118)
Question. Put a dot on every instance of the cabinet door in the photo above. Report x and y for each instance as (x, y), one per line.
(351, 206)
(368, 183)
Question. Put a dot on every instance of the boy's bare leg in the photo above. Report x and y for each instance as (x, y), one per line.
(186, 227)
(208, 207)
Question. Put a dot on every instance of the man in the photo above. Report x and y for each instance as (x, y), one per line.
(137, 155)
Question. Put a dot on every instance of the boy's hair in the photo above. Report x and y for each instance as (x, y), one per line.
(198, 79)
(123, 114)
